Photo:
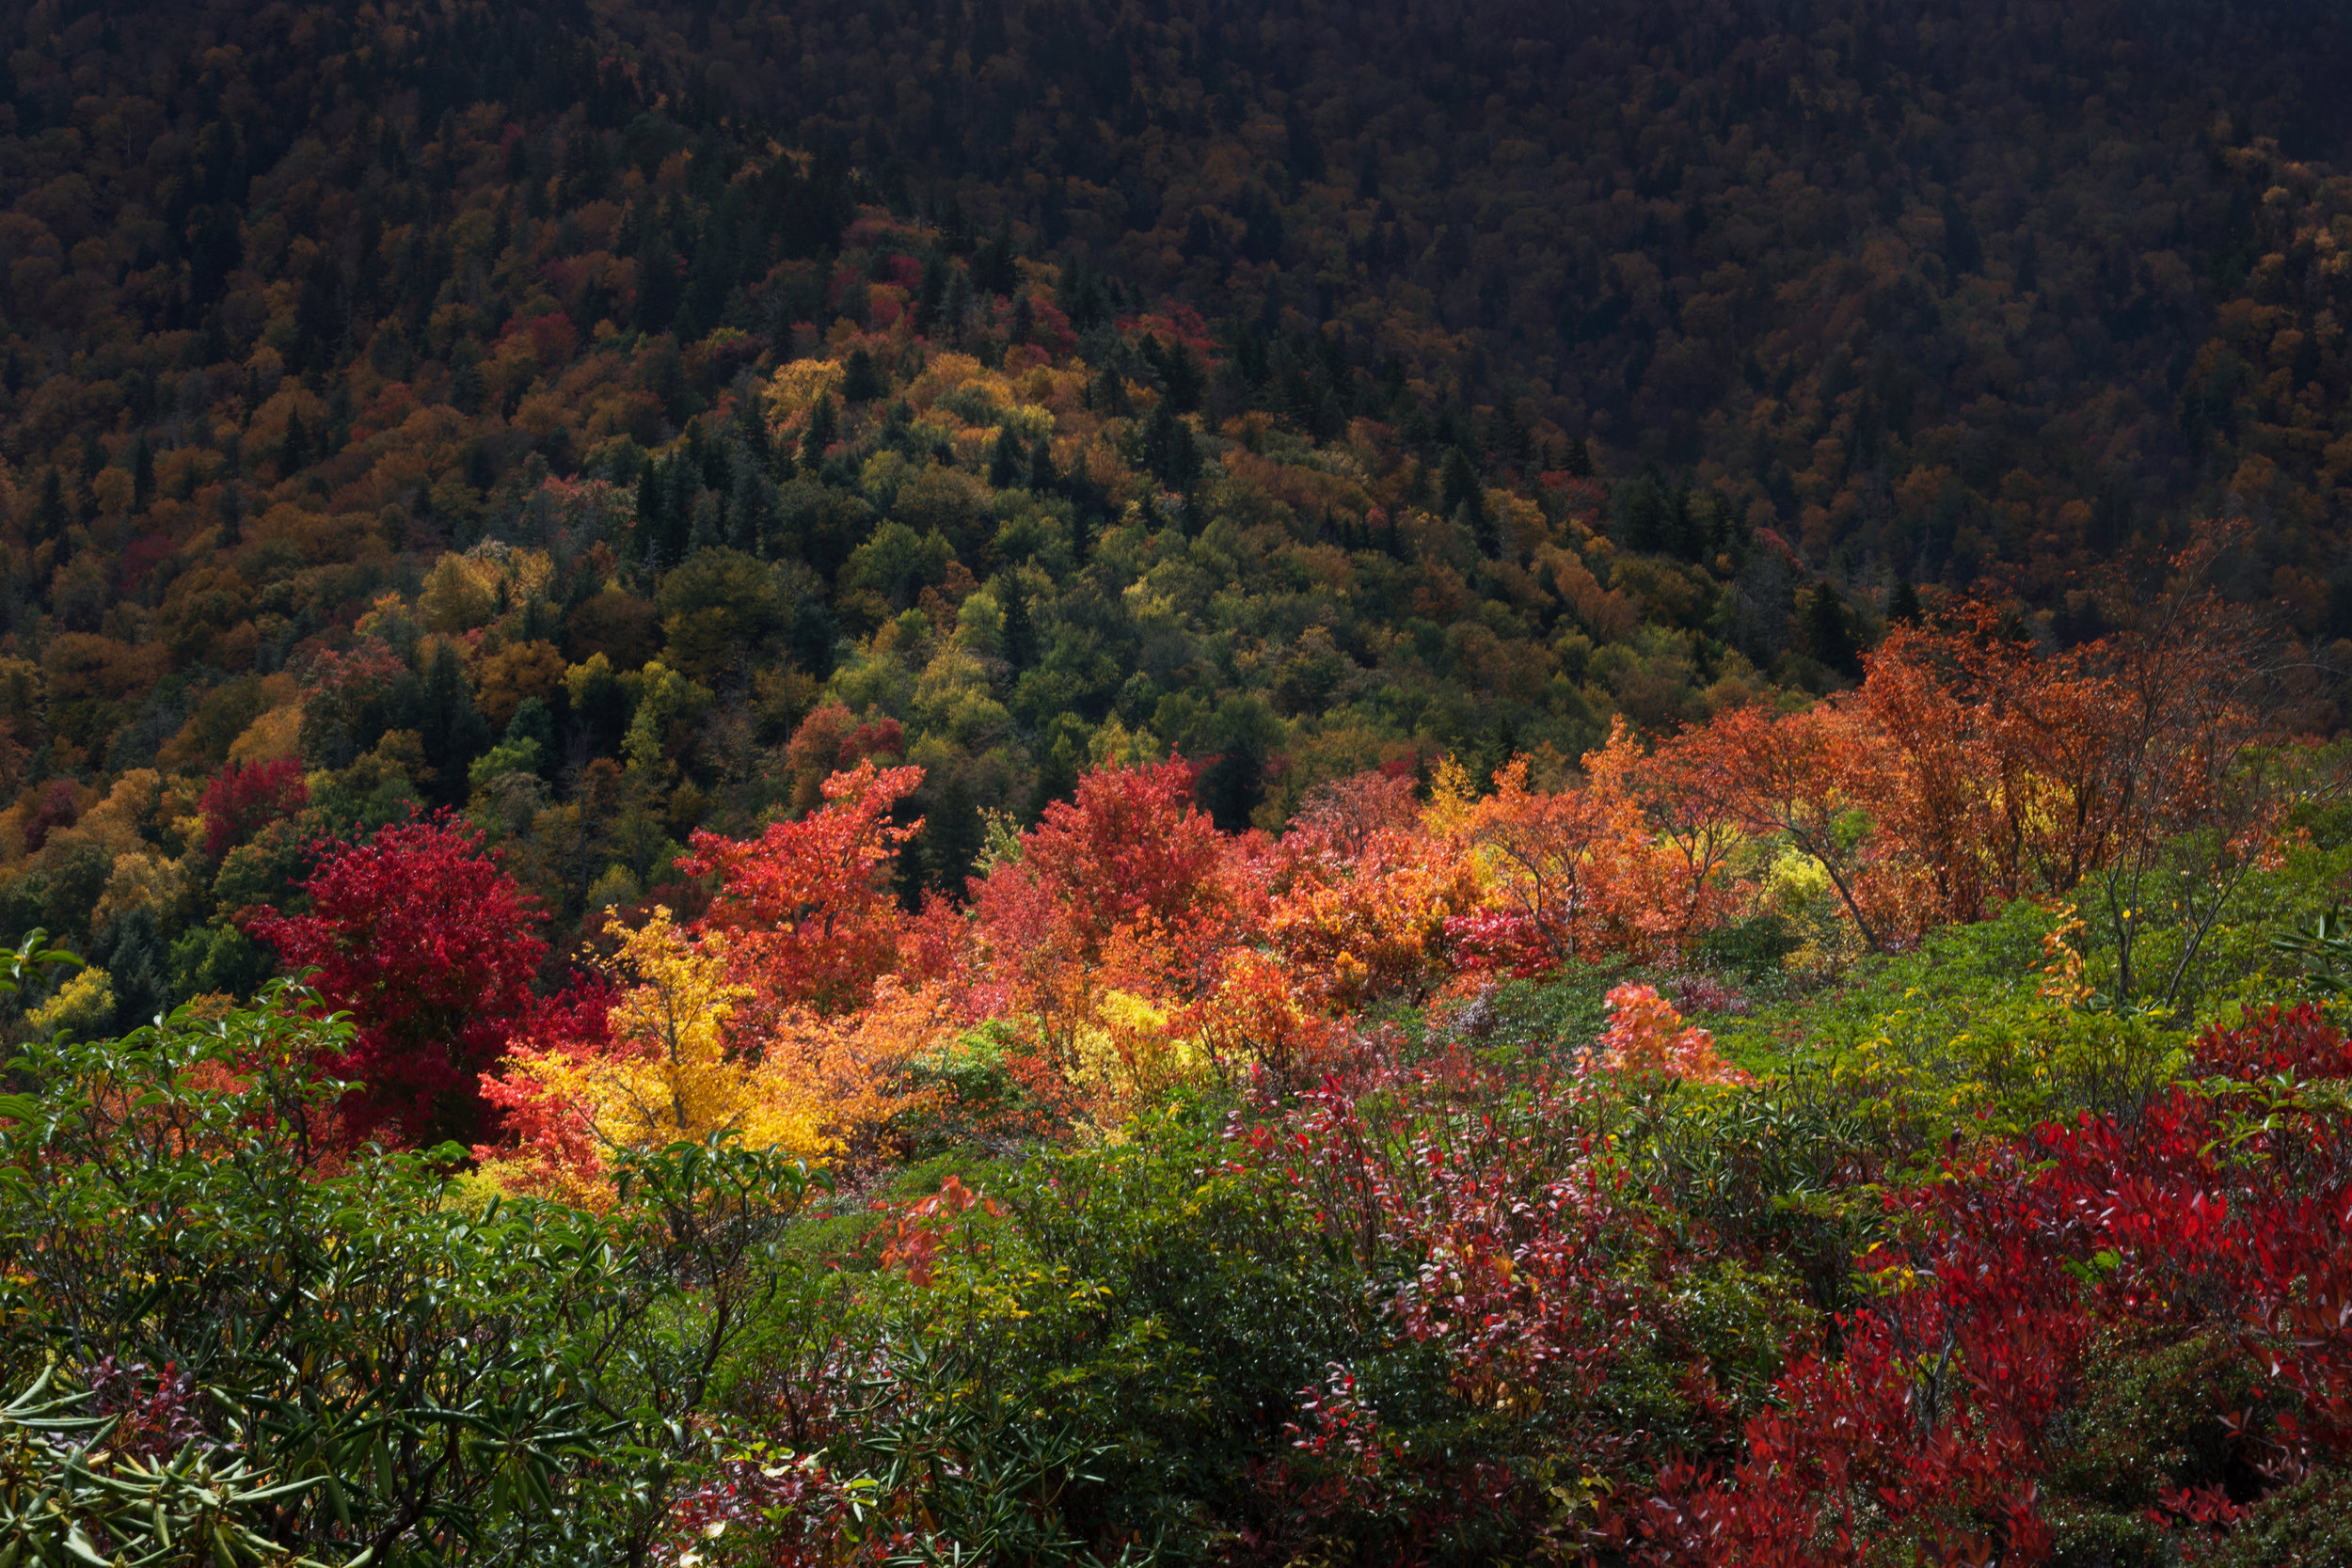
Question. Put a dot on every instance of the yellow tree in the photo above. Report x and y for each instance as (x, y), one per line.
(666, 1075)
(679, 1065)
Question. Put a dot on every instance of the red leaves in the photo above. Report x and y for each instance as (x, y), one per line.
(2290, 1042)
(246, 796)
(1934, 1428)
(1531, 1260)
(918, 1231)
(803, 905)
(1130, 858)
(423, 936)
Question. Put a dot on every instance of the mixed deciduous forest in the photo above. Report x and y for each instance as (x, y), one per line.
(1041, 782)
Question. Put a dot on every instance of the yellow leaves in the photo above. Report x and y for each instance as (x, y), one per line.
(798, 385)
(1125, 1057)
(1453, 799)
(84, 1006)
(679, 1066)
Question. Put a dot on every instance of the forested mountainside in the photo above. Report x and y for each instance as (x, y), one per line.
(1938, 288)
(1307, 395)
(491, 416)
(1178, 784)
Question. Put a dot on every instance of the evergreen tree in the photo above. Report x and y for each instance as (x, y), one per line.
(818, 434)
(861, 380)
(1463, 497)
(1004, 461)
(1828, 631)
(294, 453)
(534, 725)
(1168, 448)
(708, 531)
(142, 473)
(752, 509)
(651, 528)
(953, 836)
(453, 731)
(49, 513)
(1019, 637)
(993, 271)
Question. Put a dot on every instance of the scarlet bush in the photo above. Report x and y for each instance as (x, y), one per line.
(803, 905)
(1130, 851)
(2211, 1218)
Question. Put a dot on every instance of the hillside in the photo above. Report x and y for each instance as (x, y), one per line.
(1068, 784)
(1936, 288)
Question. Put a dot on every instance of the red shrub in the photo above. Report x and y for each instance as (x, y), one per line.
(2198, 1216)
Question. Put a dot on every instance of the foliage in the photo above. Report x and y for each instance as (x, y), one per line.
(1558, 770)
(78, 1485)
(807, 919)
(423, 933)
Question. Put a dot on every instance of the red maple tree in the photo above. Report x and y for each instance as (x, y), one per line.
(805, 906)
(425, 938)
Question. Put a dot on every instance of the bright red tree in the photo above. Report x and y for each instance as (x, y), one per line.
(431, 946)
(246, 796)
(1129, 856)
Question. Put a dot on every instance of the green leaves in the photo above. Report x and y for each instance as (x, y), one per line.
(22, 964)
(65, 1499)
(2326, 950)
(389, 1371)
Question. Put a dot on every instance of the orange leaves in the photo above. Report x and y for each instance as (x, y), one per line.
(1806, 776)
(1647, 1038)
(1628, 863)
(1129, 872)
(1255, 1017)
(811, 921)
(916, 1231)
(1542, 853)
(1362, 894)
(850, 1066)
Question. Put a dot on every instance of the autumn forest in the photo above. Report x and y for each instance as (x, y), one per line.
(1052, 783)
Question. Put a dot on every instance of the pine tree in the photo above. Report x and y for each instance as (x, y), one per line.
(861, 380)
(708, 531)
(1829, 631)
(752, 509)
(453, 731)
(1004, 461)
(49, 513)
(142, 474)
(818, 434)
(651, 528)
(1020, 633)
(953, 837)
